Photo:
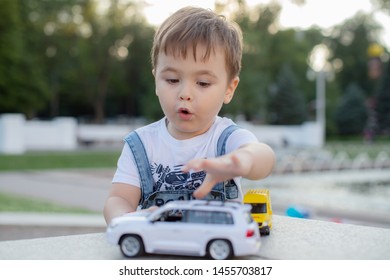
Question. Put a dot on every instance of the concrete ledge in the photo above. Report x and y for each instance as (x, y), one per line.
(20, 225)
(290, 239)
(51, 219)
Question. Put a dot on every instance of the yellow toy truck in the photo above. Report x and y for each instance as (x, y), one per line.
(260, 200)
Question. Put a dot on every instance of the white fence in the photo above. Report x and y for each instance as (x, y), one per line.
(18, 135)
(305, 135)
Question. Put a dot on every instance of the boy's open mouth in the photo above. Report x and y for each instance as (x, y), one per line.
(184, 111)
(185, 114)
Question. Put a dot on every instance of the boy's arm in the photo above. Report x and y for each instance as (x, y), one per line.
(123, 198)
(253, 161)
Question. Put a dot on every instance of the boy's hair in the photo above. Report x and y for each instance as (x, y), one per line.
(191, 26)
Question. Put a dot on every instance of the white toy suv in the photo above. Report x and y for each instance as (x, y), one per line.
(217, 229)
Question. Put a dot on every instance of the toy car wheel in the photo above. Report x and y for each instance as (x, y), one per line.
(265, 231)
(220, 249)
(132, 246)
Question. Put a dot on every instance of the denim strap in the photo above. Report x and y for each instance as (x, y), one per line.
(142, 162)
(221, 149)
(221, 144)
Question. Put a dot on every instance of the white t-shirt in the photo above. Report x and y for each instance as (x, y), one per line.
(167, 155)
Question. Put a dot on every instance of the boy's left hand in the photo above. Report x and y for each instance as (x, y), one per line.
(217, 170)
(252, 161)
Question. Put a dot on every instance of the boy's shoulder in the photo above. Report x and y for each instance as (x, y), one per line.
(152, 127)
(221, 123)
(224, 122)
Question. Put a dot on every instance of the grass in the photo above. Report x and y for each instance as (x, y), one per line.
(13, 203)
(355, 147)
(59, 160)
(46, 161)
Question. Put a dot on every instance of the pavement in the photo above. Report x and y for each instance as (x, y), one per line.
(88, 189)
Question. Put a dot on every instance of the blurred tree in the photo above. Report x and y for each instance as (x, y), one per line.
(349, 43)
(139, 78)
(383, 5)
(250, 96)
(121, 42)
(383, 103)
(22, 85)
(52, 29)
(293, 47)
(91, 54)
(351, 113)
(286, 103)
(90, 58)
(266, 50)
(110, 55)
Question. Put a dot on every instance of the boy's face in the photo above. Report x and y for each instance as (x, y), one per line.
(191, 93)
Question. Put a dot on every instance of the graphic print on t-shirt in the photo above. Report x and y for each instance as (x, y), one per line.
(175, 179)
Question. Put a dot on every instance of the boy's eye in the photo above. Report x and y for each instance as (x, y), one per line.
(203, 84)
(172, 81)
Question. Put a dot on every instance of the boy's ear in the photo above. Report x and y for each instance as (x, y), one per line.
(231, 89)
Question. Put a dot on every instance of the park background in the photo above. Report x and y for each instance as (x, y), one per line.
(90, 61)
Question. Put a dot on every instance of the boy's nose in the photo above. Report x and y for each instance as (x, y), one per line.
(185, 94)
(185, 97)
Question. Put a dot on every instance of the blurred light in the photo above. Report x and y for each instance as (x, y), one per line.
(33, 16)
(78, 19)
(85, 30)
(319, 57)
(49, 28)
(63, 17)
(51, 51)
(122, 52)
(375, 50)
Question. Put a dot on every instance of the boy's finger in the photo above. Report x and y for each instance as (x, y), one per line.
(204, 189)
(195, 164)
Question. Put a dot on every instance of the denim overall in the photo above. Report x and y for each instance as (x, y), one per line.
(149, 197)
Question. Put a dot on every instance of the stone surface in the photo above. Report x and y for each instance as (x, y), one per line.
(290, 239)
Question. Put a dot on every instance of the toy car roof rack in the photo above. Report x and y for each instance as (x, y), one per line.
(228, 203)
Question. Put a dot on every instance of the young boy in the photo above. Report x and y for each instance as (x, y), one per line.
(191, 152)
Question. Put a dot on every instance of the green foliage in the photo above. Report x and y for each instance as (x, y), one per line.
(251, 94)
(351, 114)
(383, 5)
(333, 95)
(86, 63)
(286, 102)
(266, 50)
(22, 85)
(383, 103)
(349, 44)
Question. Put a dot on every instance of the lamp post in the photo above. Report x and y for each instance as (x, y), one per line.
(318, 62)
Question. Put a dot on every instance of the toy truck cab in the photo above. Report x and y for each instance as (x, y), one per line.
(260, 200)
